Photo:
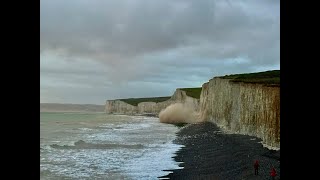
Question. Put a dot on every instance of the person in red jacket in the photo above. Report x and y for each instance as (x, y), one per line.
(273, 173)
(256, 167)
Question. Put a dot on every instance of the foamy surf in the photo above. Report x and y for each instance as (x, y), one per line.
(154, 161)
(106, 147)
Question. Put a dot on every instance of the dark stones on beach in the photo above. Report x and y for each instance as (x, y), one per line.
(211, 154)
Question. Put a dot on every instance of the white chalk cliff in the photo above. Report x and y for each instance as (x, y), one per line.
(245, 108)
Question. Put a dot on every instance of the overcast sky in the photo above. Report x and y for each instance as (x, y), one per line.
(94, 50)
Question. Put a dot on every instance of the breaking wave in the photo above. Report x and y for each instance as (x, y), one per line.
(84, 145)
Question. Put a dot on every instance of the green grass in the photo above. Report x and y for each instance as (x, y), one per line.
(136, 101)
(271, 78)
(192, 92)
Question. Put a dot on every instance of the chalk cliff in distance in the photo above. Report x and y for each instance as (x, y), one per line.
(179, 96)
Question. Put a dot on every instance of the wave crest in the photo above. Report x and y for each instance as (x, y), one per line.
(84, 145)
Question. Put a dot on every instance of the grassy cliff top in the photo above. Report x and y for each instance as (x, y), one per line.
(192, 92)
(136, 101)
(267, 77)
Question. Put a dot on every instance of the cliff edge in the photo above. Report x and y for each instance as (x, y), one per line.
(245, 108)
(148, 107)
(241, 103)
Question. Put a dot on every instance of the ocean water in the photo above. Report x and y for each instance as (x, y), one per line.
(100, 146)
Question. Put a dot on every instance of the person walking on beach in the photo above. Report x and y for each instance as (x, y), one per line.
(273, 173)
(256, 167)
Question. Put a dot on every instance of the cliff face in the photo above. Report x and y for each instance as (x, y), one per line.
(238, 107)
(120, 107)
(244, 108)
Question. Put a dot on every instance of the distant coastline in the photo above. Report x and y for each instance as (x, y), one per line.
(59, 107)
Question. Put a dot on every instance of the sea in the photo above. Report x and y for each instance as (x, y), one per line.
(101, 146)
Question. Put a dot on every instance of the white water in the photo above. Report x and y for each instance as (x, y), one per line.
(132, 147)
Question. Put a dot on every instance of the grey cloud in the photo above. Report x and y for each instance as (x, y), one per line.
(165, 44)
(115, 30)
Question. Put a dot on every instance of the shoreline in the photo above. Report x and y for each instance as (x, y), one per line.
(226, 131)
(96, 112)
(144, 114)
(209, 153)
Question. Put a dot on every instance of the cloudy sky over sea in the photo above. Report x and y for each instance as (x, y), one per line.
(93, 50)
